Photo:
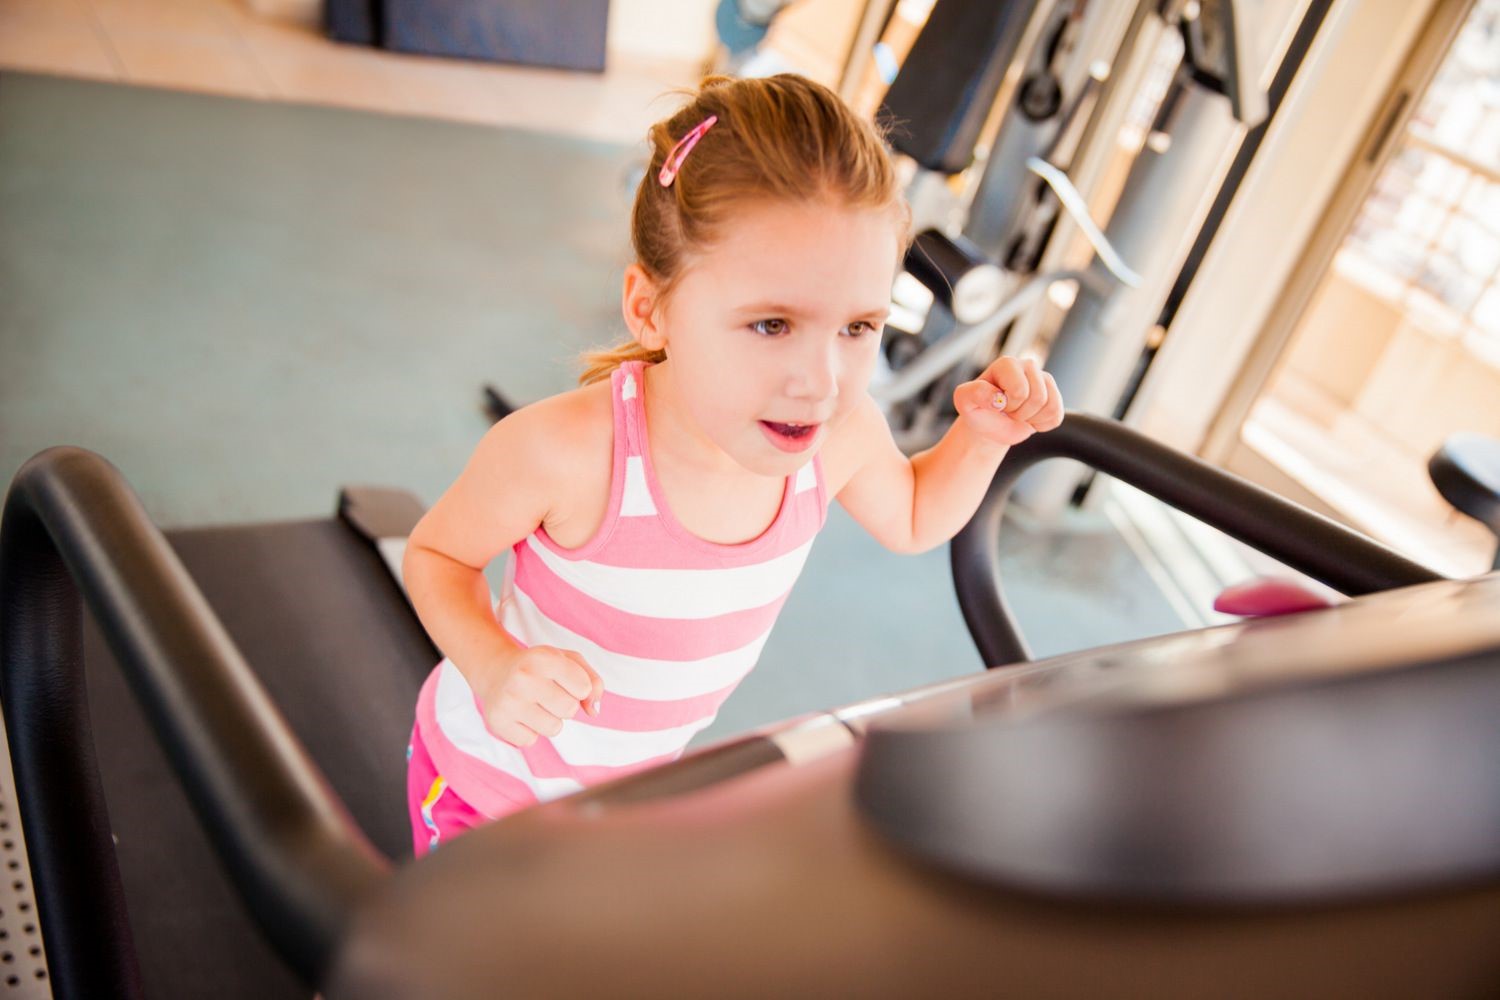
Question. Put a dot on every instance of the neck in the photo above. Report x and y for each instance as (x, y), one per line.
(673, 432)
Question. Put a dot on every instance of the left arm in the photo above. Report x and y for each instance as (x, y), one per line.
(915, 504)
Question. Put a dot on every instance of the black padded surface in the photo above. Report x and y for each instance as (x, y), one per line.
(568, 34)
(354, 21)
(942, 96)
(332, 639)
(1466, 471)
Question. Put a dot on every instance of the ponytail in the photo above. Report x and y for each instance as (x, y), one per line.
(598, 364)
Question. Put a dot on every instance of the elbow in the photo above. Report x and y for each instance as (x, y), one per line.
(411, 571)
(913, 537)
(416, 569)
(911, 545)
(411, 558)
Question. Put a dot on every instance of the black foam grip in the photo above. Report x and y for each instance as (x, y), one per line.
(80, 899)
(1466, 471)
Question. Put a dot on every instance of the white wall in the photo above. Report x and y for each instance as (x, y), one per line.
(672, 30)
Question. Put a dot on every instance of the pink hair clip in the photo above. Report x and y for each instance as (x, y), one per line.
(680, 151)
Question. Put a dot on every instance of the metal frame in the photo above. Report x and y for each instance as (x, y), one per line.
(1308, 542)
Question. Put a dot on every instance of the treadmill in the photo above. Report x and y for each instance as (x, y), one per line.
(1305, 806)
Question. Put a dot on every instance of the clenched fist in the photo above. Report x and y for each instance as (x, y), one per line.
(1009, 402)
(534, 692)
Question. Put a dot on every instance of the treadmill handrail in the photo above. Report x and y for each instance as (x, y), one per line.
(1302, 539)
(71, 523)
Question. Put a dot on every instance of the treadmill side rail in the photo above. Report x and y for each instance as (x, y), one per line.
(72, 525)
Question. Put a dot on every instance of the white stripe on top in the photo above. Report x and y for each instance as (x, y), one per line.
(632, 676)
(678, 593)
(462, 726)
(636, 500)
(807, 479)
(579, 744)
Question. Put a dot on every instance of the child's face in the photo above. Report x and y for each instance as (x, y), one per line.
(772, 334)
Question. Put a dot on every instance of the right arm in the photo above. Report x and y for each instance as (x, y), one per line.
(506, 491)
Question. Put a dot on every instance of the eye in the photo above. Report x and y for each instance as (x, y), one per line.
(859, 328)
(770, 327)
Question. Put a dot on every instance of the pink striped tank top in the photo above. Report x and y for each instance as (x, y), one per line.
(671, 622)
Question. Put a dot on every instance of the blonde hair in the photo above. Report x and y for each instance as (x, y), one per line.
(783, 138)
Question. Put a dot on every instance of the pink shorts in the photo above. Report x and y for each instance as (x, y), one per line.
(437, 813)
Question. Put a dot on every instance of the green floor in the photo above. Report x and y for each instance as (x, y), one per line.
(244, 305)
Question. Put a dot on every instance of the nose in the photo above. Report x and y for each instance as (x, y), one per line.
(814, 374)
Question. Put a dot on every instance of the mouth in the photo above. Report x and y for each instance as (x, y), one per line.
(790, 436)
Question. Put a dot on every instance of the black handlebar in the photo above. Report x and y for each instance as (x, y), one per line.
(71, 524)
(1306, 541)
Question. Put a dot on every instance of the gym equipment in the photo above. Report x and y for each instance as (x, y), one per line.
(495, 403)
(1466, 471)
(962, 66)
(1245, 811)
(568, 34)
(131, 898)
(742, 25)
(1012, 114)
(1306, 541)
(790, 840)
(1214, 99)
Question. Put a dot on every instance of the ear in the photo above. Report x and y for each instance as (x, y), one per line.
(640, 300)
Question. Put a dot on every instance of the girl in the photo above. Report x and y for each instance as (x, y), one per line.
(659, 515)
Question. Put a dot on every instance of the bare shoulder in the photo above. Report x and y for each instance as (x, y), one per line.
(858, 438)
(554, 433)
(543, 464)
(566, 442)
(541, 447)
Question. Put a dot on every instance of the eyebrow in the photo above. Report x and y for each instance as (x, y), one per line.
(781, 309)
